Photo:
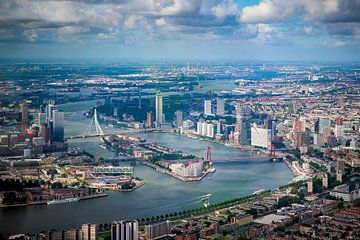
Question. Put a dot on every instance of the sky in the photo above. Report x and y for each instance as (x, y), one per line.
(272, 30)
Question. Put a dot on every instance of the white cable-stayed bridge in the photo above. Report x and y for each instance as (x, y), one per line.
(94, 123)
(94, 129)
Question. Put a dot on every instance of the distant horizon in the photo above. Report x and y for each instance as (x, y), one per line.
(68, 60)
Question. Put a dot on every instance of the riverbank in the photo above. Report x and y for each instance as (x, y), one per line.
(138, 184)
(88, 197)
(249, 149)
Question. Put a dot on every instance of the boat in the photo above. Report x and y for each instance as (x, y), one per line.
(102, 146)
(259, 191)
(65, 200)
(212, 170)
(208, 178)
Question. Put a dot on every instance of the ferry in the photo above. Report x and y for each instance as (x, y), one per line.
(66, 200)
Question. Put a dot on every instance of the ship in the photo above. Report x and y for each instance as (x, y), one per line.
(65, 200)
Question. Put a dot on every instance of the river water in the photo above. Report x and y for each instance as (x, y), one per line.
(161, 194)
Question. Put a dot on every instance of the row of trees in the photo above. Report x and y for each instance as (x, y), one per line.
(195, 211)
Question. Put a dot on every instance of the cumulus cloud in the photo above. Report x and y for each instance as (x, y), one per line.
(267, 11)
(109, 20)
(321, 10)
(225, 9)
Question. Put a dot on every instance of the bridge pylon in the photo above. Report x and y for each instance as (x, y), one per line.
(94, 122)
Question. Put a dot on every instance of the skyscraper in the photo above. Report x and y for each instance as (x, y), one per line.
(339, 127)
(220, 106)
(207, 107)
(239, 116)
(159, 109)
(125, 230)
(324, 123)
(24, 110)
(44, 132)
(178, 118)
(89, 232)
(58, 126)
(49, 112)
(149, 121)
(41, 118)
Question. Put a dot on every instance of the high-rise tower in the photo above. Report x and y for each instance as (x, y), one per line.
(159, 108)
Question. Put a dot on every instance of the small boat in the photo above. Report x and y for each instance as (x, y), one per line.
(66, 200)
(259, 191)
(212, 170)
(208, 178)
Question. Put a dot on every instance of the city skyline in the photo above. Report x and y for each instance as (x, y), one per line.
(275, 30)
(179, 119)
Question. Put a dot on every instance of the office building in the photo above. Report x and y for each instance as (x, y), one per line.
(207, 107)
(270, 124)
(89, 232)
(149, 121)
(206, 129)
(45, 132)
(220, 106)
(71, 234)
(242, 133)
(49, 112)
(324, 123)
(339, 127)
(41, 118)
(318, 139)
(239, 116)
(124, 230)
(159, 109)
(178, 118)
(58, 126)
(260, 137)
(24, 110)
(157, 230)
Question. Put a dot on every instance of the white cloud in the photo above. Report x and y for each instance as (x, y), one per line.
(314, 10)
(267, 11)
(227, 8)
(309, 30)
(160, 22)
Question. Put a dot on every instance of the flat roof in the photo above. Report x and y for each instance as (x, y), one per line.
(269, 219)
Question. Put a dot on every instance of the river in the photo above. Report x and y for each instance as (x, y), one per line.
(161, 194)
